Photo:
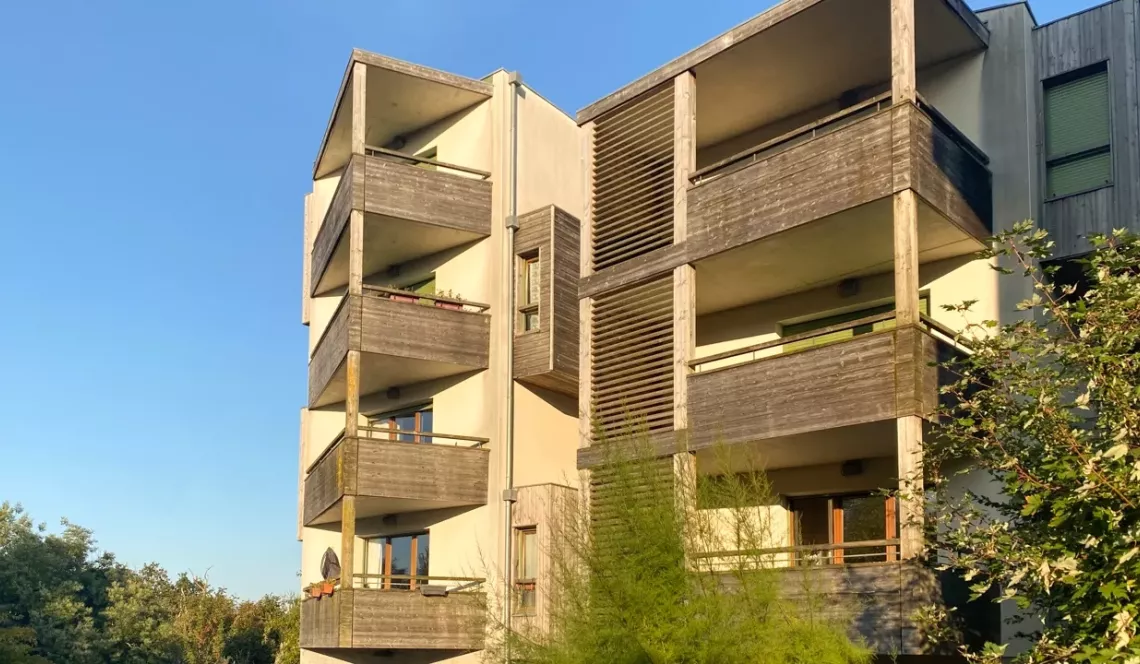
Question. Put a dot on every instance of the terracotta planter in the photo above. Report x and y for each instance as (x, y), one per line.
(404, 298)
(327, 588)
(449, 305)
(315, 592)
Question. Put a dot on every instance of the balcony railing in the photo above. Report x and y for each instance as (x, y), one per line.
(427, 300)
(810, 555)
(423, 162)
(792, 138)
(412, 436)
(778, 347)
(422, 583)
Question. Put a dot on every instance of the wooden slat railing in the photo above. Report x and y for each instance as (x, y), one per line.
(328, 326)
(395, 155)
(419, 298)
(392, 436)
(818, 554)
(794, 137)
(749, 353)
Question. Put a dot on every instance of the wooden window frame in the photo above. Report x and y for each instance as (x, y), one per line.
(1060, 160)
(389, 419)
(524, 304)
(525, 584)
(835, 524)
(386, 559)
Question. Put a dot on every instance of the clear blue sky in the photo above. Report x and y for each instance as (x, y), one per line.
(153, 156)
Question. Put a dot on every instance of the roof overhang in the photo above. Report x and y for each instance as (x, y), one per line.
(944, 28)
(400, 97)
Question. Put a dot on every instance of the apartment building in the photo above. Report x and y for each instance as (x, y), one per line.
(748, 249)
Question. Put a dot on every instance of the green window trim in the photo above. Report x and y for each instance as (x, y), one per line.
(793, 329)
(1078, 132)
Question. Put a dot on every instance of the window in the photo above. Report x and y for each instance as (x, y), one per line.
(792, 329)
(526, 568)
(829, 520)
(530, 288)
(1078, 155)
(407, 425)
(396, 562)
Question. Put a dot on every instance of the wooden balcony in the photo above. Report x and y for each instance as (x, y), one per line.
(440, 614)
(394, 471)
(412, 207)
(403, 338)
(776, 389)
(856, 157)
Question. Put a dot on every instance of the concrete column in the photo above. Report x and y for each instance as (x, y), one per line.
(904, 85)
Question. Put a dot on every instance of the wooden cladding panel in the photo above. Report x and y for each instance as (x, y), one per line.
(322, 488)
(349, 195)
(320, 622)
(632, 349)
(834, 172)
(837, 385)
(342, 334)
(946, 175)
(632, 175)
(548, 357)
(417, 471)
(430, 197)
(427, 333)
(406, 620)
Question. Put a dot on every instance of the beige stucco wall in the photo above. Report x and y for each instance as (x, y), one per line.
(550, 165)
(948, 282)
(546, 437)
(464, 139)
(954, 88)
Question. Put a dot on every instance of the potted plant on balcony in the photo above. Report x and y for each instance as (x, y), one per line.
(399, 295)
(328, 587)
(454, 306)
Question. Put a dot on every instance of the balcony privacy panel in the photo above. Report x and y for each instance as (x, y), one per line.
(633, 179)
(632, 347)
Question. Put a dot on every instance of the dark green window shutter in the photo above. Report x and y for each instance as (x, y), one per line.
(1077, 135)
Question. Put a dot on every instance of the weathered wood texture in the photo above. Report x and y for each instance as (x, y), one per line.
(373, 324)
(380, 185)
(320, 622)
(400, 620)
(548, 357)
(632, 196)
(393, 620)
(322, 488)
(869, 378)
(546, 508)
(632, 368)
(794, 184)
(1111, 33)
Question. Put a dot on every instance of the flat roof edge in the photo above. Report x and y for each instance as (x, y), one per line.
(1006, 5)
(753, 26)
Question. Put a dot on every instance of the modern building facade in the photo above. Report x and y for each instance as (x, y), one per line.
(747, 249)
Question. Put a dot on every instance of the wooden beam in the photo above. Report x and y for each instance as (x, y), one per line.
(355, 252)
(684, 340)
(911, 496)
(906, 258)
(585, 370)
(904, 84)
(359, 96)
(684, 149)
(586, 255)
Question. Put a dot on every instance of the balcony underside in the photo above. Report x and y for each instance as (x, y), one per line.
(378, 372)
(395, 477)
(814, 448)
(857, 242)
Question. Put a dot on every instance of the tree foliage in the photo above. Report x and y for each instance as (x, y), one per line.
(1049, 408)
(641, 577)
(62, 603)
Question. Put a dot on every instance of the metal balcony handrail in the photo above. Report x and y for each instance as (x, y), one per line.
(413, 581)
(387, 293)
(810, 130)
(476, 442)
(395, 155)
(888, 545)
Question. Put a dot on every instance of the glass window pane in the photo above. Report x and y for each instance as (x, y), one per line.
(533, 281)
(812, 526)
(530, 321)
(423, 549)
(864, 520)
(427, 419)
(528, 553)
(401, 561)
(406, 423)
(373, 562)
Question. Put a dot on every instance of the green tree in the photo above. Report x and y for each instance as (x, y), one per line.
(640, 577)
(1049, 406)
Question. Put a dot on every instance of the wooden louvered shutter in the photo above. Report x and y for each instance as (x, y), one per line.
(1077, 134)
(632, 371)
(633, 179)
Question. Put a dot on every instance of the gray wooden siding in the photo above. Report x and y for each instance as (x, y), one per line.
(408, 620)
(320, 622)
(872, 377)
(1106, 33)
(416, 471)
(322, 488)
(430, 197)
(548, 357)
(349, 195)
(341, 335)
(414, 331)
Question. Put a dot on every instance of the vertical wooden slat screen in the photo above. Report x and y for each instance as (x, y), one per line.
(633, 179)
(632, 372)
